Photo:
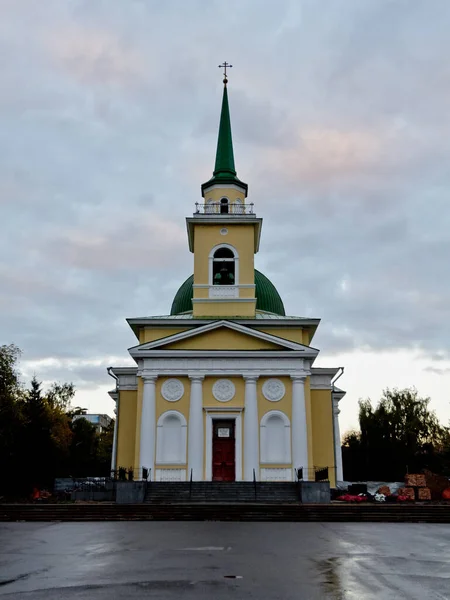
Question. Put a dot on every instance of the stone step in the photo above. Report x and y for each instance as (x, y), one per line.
(201, 491)
(227, 512)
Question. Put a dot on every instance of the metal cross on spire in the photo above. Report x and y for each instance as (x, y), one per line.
(225, 66)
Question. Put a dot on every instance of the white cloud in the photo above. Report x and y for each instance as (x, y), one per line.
(109, 113)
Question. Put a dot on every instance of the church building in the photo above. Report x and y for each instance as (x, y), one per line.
(225, 387)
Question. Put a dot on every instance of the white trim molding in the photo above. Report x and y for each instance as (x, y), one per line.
(225, 364)
(212, 416)
(205, 286)
(276, 473)
(177, 474)
(215, 300)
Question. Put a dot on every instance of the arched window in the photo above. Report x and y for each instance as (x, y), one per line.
(171, 438)
(224, 272)
(275, 438)
(224, 206)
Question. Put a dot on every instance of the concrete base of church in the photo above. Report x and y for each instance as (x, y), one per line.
(130, 492)
(315, 492)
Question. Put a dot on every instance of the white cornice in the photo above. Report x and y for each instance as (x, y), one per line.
(124, 370)
(223, 186)
(174, 322)
(215, 409)
(214, 300)
(258, 365)
(223, 353)
(207, 286)
(138, 350)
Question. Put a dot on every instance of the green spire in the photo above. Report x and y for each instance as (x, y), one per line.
(224, 155)
(224, 169)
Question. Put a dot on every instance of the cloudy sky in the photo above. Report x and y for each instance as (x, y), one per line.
(340, 112)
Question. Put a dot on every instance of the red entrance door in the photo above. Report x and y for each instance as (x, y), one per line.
(224, 468)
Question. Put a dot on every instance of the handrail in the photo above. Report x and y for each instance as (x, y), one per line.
(299, 477)
(217, 208)
(190, 486)
(254, 482)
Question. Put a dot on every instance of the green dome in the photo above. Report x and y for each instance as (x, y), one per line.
(267, 297)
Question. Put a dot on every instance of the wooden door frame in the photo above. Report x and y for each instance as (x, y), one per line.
(214, 415)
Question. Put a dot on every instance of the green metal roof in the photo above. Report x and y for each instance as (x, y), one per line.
(224, 169)
(267, 297)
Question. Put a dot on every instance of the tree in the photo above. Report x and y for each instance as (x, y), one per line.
(39, 438)
(105, 445)
(400, 434)
(83, 449)
(11, 420)
(60, 395)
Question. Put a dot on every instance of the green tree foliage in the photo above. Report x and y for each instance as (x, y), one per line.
(400, 434)
(11, 418)
(39, 439)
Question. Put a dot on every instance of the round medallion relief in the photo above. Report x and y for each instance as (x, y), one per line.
(223, 231)
(273, 390)
(223, 390)
(172, 390)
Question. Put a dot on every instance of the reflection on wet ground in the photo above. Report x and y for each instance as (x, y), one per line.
(329, 569)
(264, 561)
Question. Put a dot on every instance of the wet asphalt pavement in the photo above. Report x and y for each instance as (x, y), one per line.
(167, 560)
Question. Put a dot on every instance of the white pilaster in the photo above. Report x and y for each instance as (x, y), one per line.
(148, 426)
(337, 442)
(251, 429)
(299, 429)
(114, 448)
(195, 427)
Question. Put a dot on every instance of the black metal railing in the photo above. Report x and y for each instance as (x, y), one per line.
(314, 474)
(190, 486)
(131, 474)
(254, 483)
(219, 208)
(86, 488)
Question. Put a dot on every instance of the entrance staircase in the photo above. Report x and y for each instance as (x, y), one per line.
(221, 492)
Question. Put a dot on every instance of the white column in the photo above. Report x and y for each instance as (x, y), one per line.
(148, 426)
(114, 448)
(251, 429)
(337, 442)
(299, 429)
(195, 429)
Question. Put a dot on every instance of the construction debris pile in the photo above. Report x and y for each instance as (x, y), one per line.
(419, 487)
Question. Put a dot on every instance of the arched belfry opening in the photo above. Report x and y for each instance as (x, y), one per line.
(224, 267)
(224, 208)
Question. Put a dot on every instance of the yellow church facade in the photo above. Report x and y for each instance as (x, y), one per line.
(224, 387)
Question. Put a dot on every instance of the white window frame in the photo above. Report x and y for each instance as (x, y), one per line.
(236, 264)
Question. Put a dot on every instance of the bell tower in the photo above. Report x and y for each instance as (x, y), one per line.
(224, 235)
